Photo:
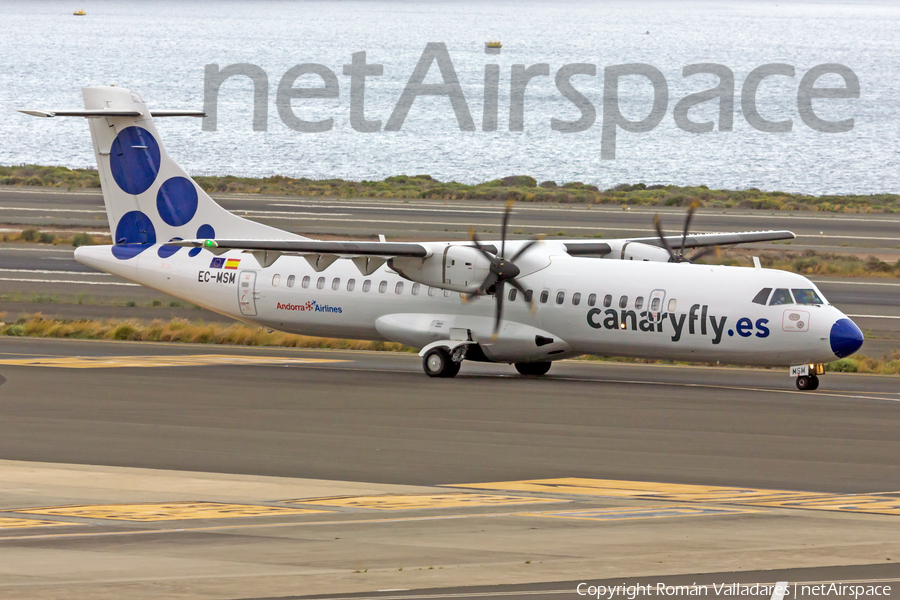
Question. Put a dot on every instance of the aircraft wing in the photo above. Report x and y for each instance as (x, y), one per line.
(701, 240)
(599, 249)
(367, 256)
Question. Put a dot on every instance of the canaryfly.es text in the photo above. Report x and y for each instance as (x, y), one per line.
(697, 321)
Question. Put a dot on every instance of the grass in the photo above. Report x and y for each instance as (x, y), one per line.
(33, 235)
(180, 330)
(809, 262)
(237, 334)
(517, 187)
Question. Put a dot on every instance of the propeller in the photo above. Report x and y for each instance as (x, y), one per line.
(677, 255)
(502, 270)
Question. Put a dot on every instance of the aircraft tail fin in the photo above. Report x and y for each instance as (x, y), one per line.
(150, 199)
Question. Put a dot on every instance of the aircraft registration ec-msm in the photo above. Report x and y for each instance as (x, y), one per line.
(636, 297)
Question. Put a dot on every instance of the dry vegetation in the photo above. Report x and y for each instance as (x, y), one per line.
(181, 330)
(517, 187)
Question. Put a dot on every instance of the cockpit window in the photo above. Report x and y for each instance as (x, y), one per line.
(807, 296)
(781, 296)
(762, 296)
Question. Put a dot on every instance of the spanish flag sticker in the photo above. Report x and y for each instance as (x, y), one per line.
(232, 263)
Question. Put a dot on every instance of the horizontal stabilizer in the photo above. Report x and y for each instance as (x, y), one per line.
(107, 112)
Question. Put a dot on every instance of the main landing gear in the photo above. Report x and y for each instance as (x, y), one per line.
(533, 368)
(438, 362)
(441, 362)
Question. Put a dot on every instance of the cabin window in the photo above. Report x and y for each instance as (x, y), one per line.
(607, 300)
(780, 296)
(351, 285)
(654, 304)
(304, 283)
(560, 297)
(623, 302)
(415, 289)
(672, 304)
(276, 279)
(367, 285)
(512, 294)
(639, 303)
(432, 291)
(545, 295)
(291, 280)
(807, 296)
(447, 293)
(320, 283)
(576, 298)
(762, 296)
(592, 299)
(529, 294)
(336, 283)
(398, 289)
(382, 287)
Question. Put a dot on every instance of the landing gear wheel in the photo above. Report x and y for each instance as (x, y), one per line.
(533, 368)
(807, 383)
(438, 363)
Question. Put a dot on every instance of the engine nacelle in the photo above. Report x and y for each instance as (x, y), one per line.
(458, 268)
(625, 250)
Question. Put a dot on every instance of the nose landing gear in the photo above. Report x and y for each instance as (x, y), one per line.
(807, 376)
(807, 382)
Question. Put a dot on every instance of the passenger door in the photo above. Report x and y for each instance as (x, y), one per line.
(247, 293)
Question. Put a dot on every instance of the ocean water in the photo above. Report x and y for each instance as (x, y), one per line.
(160, 49)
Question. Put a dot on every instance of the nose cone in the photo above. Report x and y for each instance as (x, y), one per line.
(846, 338)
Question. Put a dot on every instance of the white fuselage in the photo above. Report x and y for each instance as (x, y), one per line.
(705, 313)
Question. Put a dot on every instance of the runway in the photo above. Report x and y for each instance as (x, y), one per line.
(159, 471)
(437, 219)
(376, 417)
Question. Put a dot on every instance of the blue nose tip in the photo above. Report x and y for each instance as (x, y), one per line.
(846, 338)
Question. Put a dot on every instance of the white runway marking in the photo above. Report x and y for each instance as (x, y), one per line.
(62, 210)
(856, 283)
(35, 250)
(69, 281)
(69, 273)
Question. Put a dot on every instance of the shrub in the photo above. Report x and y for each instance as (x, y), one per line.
(46, 238)
(518, 181)
(29, 235)
(82, 239)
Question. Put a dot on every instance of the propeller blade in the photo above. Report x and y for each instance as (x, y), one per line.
(705, 252)
(509, 205)
(531, 305)
(474, 237)
(662, 238)
(524, 249)
(499, 315)
(687, 227)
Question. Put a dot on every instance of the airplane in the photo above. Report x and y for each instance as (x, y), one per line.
(522, 302)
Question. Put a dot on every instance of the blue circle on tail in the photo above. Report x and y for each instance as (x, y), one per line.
(176, 201)
(134, 160)
(134, 234)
